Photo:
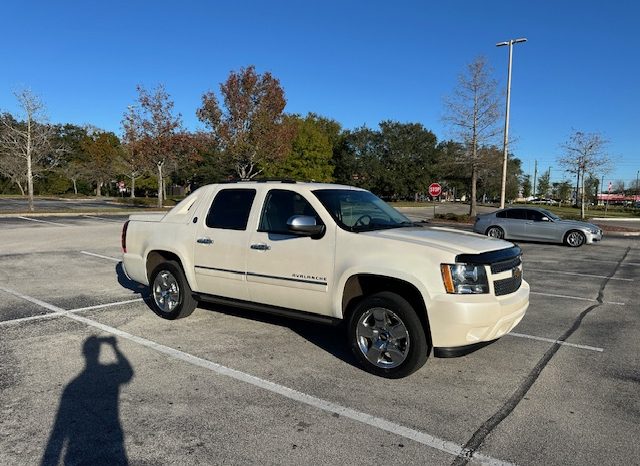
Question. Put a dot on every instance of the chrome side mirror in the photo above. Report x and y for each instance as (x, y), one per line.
(304, 225)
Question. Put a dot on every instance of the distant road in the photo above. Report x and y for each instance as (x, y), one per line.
(15, 205)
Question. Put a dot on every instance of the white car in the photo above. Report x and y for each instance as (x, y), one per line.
(330, 253)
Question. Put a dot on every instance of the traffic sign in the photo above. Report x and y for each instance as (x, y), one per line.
(435, 189)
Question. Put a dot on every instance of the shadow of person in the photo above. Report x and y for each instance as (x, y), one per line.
(87, 425)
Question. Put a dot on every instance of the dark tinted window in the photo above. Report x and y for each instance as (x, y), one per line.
(534, 215)
(279, 206)
(502, 214)
(230, 209)
(519, 214)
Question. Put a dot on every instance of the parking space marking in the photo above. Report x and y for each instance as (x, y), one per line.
(423, 438)
(551, 340)
(580, 274)
(103, 219)
(100, 256)
(43, 221)
(578, 298)
(628, 264)
(61, 313)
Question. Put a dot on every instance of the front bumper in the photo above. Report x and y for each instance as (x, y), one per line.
(593, 237)
(463, 320)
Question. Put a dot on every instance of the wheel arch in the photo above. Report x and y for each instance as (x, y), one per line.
(158, 256)
(572, 230)
(361, 285)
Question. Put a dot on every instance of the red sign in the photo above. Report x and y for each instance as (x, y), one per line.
(435, 189)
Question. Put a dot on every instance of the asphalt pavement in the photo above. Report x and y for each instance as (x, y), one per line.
(89, 374)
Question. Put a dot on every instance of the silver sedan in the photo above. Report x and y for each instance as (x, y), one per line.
(534, 224)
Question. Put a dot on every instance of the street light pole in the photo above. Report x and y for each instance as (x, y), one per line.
(503, 187)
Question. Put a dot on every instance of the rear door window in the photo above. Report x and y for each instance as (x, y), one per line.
(230, 209)
(517, 214)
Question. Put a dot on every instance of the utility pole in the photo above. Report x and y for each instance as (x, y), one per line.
(535, 176)
(503, 187)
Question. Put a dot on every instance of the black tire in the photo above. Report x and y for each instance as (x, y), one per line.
(495, 232)
(395, 334)
(574, 238)
(171, 296)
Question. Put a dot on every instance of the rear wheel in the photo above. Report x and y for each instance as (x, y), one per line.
(170, 292)
(575, 239)
(387, 336)
(495, 232)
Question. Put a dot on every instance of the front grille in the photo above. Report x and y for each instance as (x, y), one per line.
(507, 286)
(509, 264)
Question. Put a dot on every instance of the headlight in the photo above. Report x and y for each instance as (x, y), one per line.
(464, 278)
(594, 231)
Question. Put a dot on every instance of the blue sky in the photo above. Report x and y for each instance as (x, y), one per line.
(359, 62)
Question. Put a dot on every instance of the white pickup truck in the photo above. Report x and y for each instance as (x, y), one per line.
(331, 254)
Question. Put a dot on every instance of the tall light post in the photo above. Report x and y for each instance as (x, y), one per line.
(503, 187)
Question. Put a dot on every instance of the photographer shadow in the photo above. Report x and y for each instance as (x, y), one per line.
(87, 427)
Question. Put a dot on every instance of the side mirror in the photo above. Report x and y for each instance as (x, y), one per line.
(545, 219)
(304, 225)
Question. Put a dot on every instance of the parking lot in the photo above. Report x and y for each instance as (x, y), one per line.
(232, 387)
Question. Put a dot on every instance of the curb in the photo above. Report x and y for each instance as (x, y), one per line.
(79, 214)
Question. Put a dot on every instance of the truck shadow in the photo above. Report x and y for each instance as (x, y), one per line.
(329, 338)
(129, 284)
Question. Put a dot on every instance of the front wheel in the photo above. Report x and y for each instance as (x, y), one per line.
(170, 292)
(387, 336)
(575, 239)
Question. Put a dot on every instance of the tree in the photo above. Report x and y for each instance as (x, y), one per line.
(26, 147)
(311, 152)
(526, 186)
(544, 184)
(103, 150)
(584, 153)
(251, 129)
(563, 190)
(132, 159)
(473, 113)
(155, 126)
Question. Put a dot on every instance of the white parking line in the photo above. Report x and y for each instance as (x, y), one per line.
(309, 400)
(579, 274)
(624, 264)
(57, 313)
(44, 221)
(100, 256)
(578, 298)
(550, 340)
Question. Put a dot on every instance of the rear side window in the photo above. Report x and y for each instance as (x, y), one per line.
(502, 214)
(518, 214)
(230, 209)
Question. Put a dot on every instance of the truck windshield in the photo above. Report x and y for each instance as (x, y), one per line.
(360, 210)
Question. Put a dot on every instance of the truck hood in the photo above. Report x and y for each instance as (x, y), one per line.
(445, 239)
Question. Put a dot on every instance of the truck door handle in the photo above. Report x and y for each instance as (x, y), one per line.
(204, 240)
(260, 246)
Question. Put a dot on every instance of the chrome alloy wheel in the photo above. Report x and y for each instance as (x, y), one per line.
(382, 338)
(495, 232)
(166, 291)
(575, 239)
